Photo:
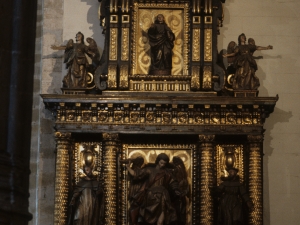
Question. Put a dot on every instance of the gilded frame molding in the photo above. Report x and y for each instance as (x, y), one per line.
(186, 24)
(149, 152)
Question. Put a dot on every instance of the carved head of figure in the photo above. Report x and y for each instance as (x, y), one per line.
(242, 38)
(232, 172)
(160, 18)
(88, 170)
(251, 41)
(80, 38)
(138, 162)
(179, 164)
(162, 160)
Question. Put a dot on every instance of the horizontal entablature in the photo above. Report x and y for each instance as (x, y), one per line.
(156, 114)
(191, 98)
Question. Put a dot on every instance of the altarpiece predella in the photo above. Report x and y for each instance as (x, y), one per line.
(161, 128)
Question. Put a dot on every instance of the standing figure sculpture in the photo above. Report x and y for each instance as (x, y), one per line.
(231, 193)
(244, 64)
(87, 205)
(161, 40)
(158, 183)
(135, 195)
(77, 62)
(181, 203)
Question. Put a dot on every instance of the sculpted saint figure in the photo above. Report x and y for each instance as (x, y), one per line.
(231, 192)
(181, 203)
(152, 200)
(86, 202)
(244, 63)
(161, 40)
(77, 62)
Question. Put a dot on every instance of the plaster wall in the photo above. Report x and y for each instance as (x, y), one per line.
(273, 22)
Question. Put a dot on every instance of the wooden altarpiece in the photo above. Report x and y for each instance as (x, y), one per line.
(185, 113)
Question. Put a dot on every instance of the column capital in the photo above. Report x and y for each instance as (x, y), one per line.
(110, 136)
(206, 138)
(255, 138)
(61, 135)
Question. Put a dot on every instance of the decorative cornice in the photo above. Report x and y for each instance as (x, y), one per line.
(188, 113)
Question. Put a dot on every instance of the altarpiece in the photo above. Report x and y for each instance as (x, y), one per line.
(127, 111)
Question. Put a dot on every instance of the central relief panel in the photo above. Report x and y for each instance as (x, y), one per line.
(175, 17)
(157, 183)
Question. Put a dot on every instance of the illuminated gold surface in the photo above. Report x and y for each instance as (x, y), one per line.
(114, 19)
(208, 6)
(124, 76)
(62, 177)
(154, 85)
(208, 19)
(110, 149)
(220, 161)
(125, 6)
(196, 6)
(215, 118)
(207, 74)
(125, 19)
(125, 44)
(208, 45)
(113, 44)
(150, 152)
(195, 81)
(79, 149)
(123, 203)
(196, 19)
(183, 118)
(112, 76)
(196, 45)
(176, 18)
(255, 179)
(113, 6)
(206, 178)
(223, 115)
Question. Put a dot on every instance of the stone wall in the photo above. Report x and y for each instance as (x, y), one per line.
(273, 22)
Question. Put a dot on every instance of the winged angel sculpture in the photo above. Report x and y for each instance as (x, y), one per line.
(242, 63)
(77, 57)
(158, 191)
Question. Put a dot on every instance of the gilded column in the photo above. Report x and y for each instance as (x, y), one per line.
(206, 148)
(63, 146)
(111, 146)
(255, 178)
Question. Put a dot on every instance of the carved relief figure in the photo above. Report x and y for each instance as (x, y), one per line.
(86, 202)
(231, 192)
(161, 40)
(153, 201)
(244, 63)
(184, 187)
(77, 62)
(135, 194)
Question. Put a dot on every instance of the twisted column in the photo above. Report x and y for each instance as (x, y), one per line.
(63, 146)
(111, 147)
(255, 178)
(206, 148)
